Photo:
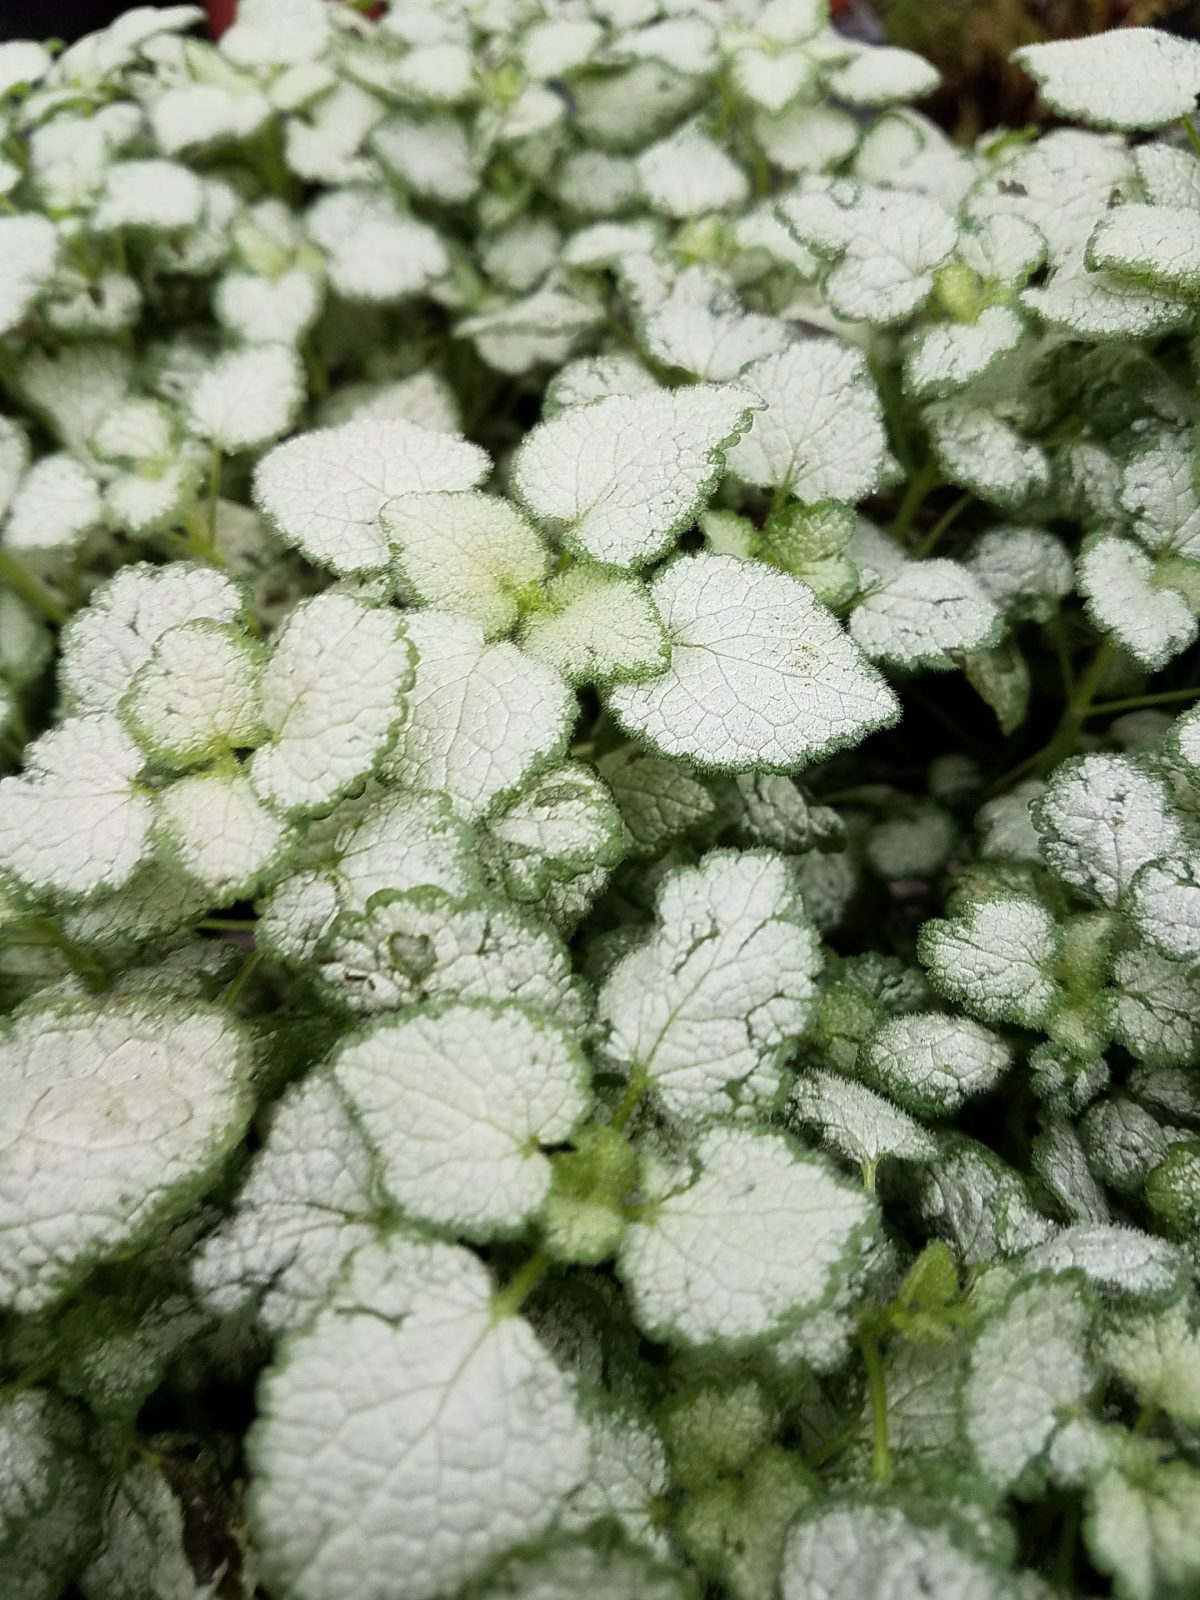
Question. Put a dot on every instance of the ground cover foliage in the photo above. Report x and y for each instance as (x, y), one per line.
(600, 854)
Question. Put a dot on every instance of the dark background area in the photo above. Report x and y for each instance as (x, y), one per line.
(56, 19)
(67, 19)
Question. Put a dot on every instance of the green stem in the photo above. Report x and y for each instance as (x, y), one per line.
(520, 1286)
(214, 494)
(919, 486)
(638, 1083)
(1065, 670)
(236, 988)
(943, 523)
(881, 1456)
(1062, 741)
(893, 410)
(195, 542)
(1079, 707)
(90, 973)
(23, 582)
(318, 373)
(18, 727)
(1068, 1539)
(26, 1380)
(228, 924)
(1138, 702)
(1146, 1418)
(1189, 127)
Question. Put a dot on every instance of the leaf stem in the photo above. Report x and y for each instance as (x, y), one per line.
(237, 986)
(1137, 702)
(521, 1285)
(228, 924)
(1193, 135)
(89, 971)
(893, 412)
(1060, 743)
(638, 1083)
(881, 1456)
(214, 493)
(919, 486)
(23, 582)
(1068, 1539)
(946, 521)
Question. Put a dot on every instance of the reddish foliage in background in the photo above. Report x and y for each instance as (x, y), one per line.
(222, 12)
(220, 16)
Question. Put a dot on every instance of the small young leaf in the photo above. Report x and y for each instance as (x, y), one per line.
(424, 944)
(659, 801)
(842, 1552)
(1026, 571)
(111, 638)
(861, 1126)
(714, 1260)
(29, 246)
(482, 718)
(920, 613)
(950, 355)
(159, 196)
(455, 1100)
(332, 698)
(74, 823)
(885, 246)
(982, 452)
(687, 174)
(821, 435)
(739, 692)
(1116, 579)
(704, 1008)
(595, 626)
(248, 397)
(1101, 818)
(1118, 1259)
(325, 491)
(197, 697)
(931, 1063)
(219, 832)
(375, 253)
(881, 75)
(622, 477)
(996, 958)
(56, 505)
(468, 552)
